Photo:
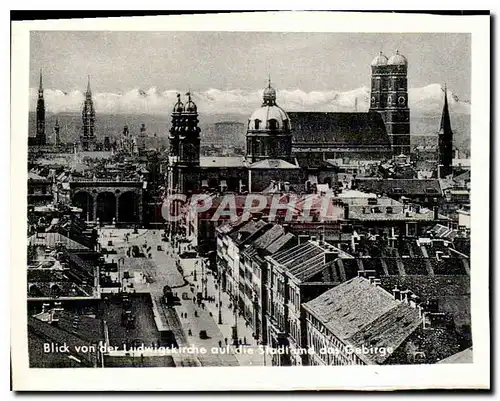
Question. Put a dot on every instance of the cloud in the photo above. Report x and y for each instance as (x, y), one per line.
(428, 99)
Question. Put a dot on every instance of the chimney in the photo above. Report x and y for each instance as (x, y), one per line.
(414, 300)
(331, 255)
(405, 294)
(303, 238)
(45, 307)
(322, 239)
(396, 292)
(436, 212)
(346, 212)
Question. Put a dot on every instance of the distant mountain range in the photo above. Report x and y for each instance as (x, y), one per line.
(153, 108)
(428, 99)
(422, 126)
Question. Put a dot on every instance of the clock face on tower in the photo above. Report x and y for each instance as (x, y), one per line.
(401, 100)
(373, 100)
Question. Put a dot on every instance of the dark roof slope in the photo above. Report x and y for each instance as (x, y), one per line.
(428, 187)
(339, 129)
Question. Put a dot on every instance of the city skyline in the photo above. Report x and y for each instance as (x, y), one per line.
(241, 60)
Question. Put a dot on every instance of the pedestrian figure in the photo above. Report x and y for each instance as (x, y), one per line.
(225, 340)
(195, 313)
(244, 340)
(190, 332)
(203, 306)
(210, 313)
(220, 344)
(239, 341)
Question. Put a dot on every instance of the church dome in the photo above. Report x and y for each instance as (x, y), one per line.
(190, 106)
(178, 107)
(272, 118)
(398, 59)
(379, 60)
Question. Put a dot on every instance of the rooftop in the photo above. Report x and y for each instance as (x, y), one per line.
(339, 129)
(427, 187)
(222, 161)
(50, 240)
(360, 313)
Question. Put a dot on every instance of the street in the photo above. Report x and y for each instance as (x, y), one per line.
(150, 275)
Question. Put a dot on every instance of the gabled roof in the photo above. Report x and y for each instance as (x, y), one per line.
(32, 176)
(57, 335)
(277, 245)
(339, 129)
(273, 164)
(245, 233)
(360, 313)
(463, 176)
(269, 236)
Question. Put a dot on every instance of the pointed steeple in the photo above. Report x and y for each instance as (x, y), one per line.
(40, 114)
(445, 141)
(445, 116)
(40, 86)
(89, 92)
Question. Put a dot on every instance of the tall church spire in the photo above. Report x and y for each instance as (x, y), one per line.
(89, 92)
(88, 139)
(40, 115)
(445, 140)
(40, 86)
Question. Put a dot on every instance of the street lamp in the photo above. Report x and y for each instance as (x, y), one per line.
(122, 260)
(235, 327)
(220, 302)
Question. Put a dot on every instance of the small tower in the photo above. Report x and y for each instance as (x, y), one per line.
(40, 115)
(184, 156)
(57, 138)
(88, 139)
(445, 167)
(177, 124)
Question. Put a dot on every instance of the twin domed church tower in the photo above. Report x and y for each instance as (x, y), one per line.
(389, 97)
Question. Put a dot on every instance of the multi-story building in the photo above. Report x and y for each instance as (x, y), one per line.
(39, 189)
(231, 240)
(360, 323)
(253, 275)
(295, 276)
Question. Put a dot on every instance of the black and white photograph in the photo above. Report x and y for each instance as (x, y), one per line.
(255, 198)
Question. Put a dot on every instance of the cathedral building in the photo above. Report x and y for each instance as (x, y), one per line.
(88, 139)
(294, 150)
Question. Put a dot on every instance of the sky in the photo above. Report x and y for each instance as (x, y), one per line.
(120, 61)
